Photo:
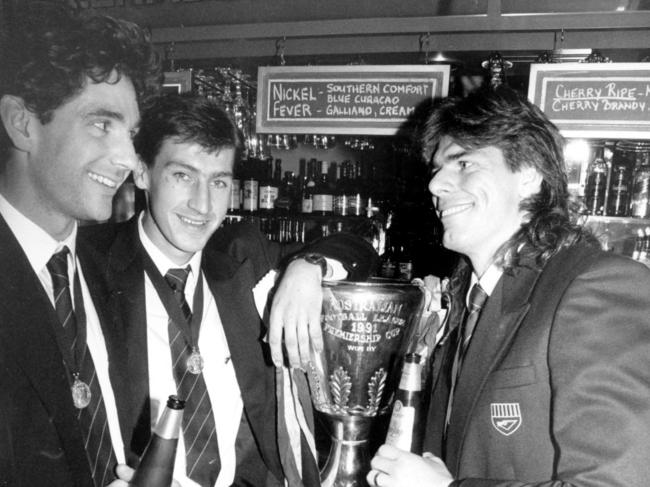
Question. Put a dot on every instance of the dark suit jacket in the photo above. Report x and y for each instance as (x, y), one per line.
(40, 439)
(555, 387)
(234, 260)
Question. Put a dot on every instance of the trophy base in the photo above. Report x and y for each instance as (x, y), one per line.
(348, 461)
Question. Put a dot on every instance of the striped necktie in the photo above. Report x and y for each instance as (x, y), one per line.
(199, 430)
(92, 418)
(477, 298)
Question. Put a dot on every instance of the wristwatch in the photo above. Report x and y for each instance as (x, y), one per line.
(315, 259)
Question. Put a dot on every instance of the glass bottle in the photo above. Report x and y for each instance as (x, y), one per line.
(404, 263)
(250, 185)
(341, 190)
(640, 198)
(156, 466)
(308, 191)
(596, 183)
(268, 188)
(405, 428)
(323, 197)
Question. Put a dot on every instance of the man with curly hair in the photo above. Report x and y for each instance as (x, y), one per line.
(541, 378)
(70, 87)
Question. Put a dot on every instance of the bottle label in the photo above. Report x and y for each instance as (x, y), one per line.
(268, 195)
(323, 202)
(355, 205)
(235, 195)
(307, 205)
(341, 205)
(250, 195)
(400, 429)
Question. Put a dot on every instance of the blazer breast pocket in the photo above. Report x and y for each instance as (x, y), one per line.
(513, 377)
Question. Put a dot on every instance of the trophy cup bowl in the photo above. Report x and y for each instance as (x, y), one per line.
(366, 327)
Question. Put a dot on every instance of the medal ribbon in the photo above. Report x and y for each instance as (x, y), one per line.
(191, 330)
(73, 357)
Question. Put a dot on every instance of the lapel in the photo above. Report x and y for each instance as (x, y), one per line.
(231, 284)
(443, 359)
(28, 338)
(126, 302)
(494, 333)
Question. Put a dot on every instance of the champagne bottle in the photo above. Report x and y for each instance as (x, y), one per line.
(156, 467)
(405, 430)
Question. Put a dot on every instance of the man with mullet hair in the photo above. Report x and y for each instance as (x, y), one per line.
(542, 377)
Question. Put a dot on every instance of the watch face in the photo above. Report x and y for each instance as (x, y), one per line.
(317, 259)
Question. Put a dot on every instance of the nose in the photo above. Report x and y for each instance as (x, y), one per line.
(123, 154)
(439, 183)
(200, 198)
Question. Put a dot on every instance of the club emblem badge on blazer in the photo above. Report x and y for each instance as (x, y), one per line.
(506, 417)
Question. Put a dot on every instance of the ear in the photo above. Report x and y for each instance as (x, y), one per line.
(17, 120)
(530, 182)
(141, 175)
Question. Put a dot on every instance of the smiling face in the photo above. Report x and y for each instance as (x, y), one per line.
(477, 199)
(77, 160)
(188, 190)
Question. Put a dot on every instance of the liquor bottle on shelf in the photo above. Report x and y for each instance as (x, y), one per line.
(277, 171)
(639, 243)
(250, 185)
(640, 199)
(268, 189)
(619, 194)
(356, 203)
(388, 267)
(404, 266)
(323, 197)
(341, 190)
(596, 183)
(405, 428)
(308, 190)
(285, 201)
(234, 204)
(156, 466)
(642, 246)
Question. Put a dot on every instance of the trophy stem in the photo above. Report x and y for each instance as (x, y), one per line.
(348, 461)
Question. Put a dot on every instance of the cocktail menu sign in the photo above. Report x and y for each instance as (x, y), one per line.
(600, 100)
(372, 100)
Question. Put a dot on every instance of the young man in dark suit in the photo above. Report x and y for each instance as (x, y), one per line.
(543, 376)
(69, 91)
(188, 146)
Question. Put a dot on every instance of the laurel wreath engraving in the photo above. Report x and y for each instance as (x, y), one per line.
(376, 390)
(340, 386)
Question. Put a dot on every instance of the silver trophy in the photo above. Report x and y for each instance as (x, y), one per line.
(366, 328)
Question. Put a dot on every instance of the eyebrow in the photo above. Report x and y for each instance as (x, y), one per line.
(454, 156)
(191, 168)
(103, 112)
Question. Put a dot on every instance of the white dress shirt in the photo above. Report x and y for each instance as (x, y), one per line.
(39, 247)
(218, 371)
(488, 281)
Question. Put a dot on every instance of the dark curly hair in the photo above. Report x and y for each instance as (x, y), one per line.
(502, 118)
(48, 51)
(184, 118)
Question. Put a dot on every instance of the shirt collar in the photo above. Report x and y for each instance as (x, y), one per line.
(160, 260)
(488, 280)
(38, 245)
